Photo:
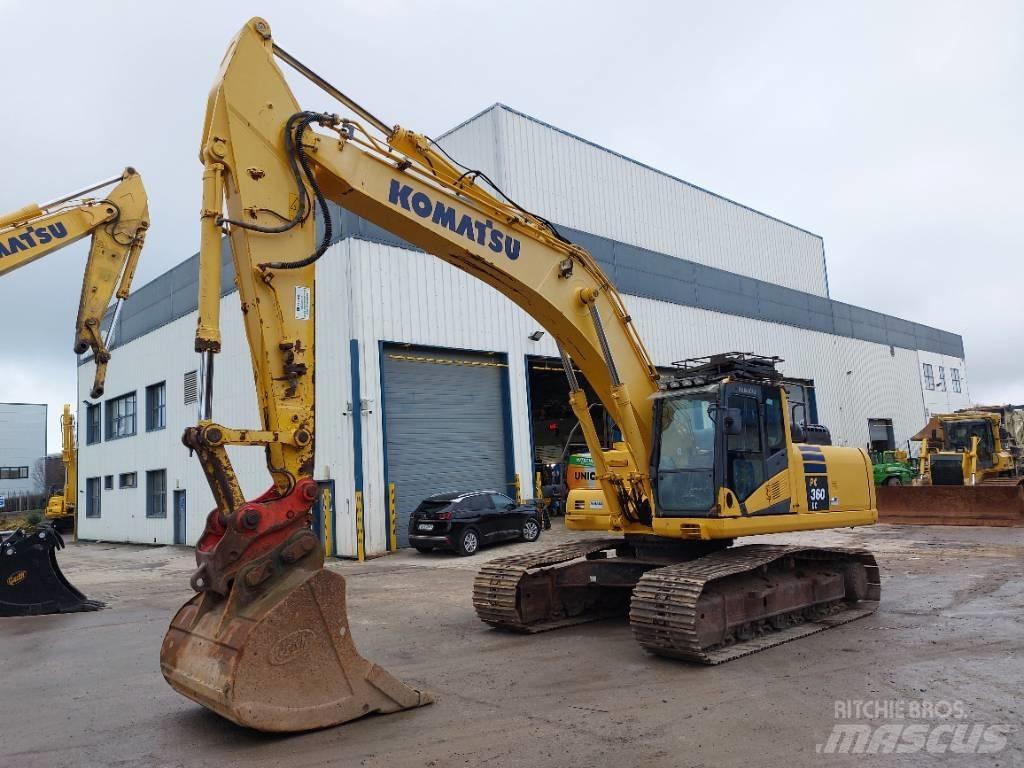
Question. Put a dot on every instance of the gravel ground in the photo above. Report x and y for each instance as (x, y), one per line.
(86, 690)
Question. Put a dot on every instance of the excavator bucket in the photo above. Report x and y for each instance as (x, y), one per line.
(995, 504)
(276, 653)
(31, 582)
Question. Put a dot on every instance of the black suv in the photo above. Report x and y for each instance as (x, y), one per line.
(464, 522)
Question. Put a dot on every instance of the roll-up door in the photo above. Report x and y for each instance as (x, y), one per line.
(444, 422)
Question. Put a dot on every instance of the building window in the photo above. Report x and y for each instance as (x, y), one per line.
(191, 387)
(92, 424)
(108, 483)
(13, 473)
(941, 383)
(121, 416)
(127, 480)
(929, 377)
(954, 378)
(156, 407)
(92, 497)
(156, 493)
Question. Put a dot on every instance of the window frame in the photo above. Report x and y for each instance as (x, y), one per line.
(156, 407)
(91, 437)
(108, 482)
(110, 419)
(929, 376)
(954, 379)
(122, 477)
(93, 501)
(940, 381)
(151, 512)
(14, 473)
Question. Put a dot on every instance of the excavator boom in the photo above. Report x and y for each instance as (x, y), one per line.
(270, 167)
(117, 224)
(31, 581)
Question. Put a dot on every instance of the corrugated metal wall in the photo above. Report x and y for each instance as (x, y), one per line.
(374, 293)
(22, 443)
(943, 398)
(167, 354)
(580, 185)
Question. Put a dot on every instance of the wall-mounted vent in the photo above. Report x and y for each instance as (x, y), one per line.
(191, 387)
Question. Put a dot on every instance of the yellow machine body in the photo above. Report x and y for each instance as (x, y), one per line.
(268, 166)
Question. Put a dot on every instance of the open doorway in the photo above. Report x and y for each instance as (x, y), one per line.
(557, 440)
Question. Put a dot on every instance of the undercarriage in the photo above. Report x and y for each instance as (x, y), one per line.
(705, 602)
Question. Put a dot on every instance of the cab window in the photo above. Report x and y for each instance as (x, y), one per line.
(745, 454)
(774, 429)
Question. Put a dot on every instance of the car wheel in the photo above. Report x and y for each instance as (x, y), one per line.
(469, 542)
(894, 480)
(531, 530)
(423, 549)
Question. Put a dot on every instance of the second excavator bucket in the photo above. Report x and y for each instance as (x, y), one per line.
(276, 653)
(999, 505)
(31, 582)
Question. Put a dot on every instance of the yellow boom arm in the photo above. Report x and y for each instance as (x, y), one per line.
(262, 159)
(118, 225)
(61, 505)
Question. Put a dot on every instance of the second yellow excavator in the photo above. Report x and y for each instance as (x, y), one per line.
(60, 507)
(708, 455)
(31, 582)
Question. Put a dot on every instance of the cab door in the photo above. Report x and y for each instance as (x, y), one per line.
(745, 452)
(758, 453)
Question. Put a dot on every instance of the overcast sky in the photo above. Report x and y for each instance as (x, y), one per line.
(892, 129)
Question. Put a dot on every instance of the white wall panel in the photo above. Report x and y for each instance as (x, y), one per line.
(583, 186)
(375, 293)
(167, 354)
(943, 399)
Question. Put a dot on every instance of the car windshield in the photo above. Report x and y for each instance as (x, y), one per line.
(687, 433)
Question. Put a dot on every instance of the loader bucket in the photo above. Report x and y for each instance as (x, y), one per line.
(276, 653)
(988, 505)
(31, 582)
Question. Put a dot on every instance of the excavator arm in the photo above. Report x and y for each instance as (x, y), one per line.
(61, 506)
(117, 223)
(269, 169)
(266, 641)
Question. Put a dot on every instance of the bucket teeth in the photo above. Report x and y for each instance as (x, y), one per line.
(276, 653)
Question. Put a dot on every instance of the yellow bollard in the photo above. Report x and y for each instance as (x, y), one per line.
(360, 534)
(392, 519)
(327, 510)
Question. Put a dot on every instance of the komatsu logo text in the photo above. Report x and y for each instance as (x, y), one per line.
(31, 238)
(474, 230)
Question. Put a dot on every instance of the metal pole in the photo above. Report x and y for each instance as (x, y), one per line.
(79, 193)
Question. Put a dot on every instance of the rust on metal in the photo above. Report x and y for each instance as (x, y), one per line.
(707, 606)
(988, 504)
(276, 653)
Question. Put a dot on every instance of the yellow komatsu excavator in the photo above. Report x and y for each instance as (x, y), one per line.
(31, 582)
(707, 456)
(117, 223)
(60, 508)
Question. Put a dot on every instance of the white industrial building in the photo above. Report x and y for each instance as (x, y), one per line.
(22, 444)
(430, 380)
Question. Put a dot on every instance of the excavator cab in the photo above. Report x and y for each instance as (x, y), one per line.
(730, 435)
